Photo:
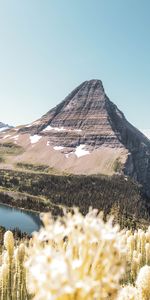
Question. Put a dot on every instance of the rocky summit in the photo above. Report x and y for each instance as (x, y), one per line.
(85, 134)
(84, 117)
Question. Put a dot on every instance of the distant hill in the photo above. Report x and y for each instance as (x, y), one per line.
(4, 127)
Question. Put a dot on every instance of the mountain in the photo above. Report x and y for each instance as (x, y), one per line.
(4, 127)
(85, 134)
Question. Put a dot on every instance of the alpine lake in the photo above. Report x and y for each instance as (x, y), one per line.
(14, 218)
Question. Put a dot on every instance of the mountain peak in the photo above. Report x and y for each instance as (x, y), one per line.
(94, 82)
(87, 110)
(87, 123)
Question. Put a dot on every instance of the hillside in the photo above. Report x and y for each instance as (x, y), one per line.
(44, 192)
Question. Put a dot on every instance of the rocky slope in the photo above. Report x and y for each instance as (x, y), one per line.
(146, 133)
(85, 134)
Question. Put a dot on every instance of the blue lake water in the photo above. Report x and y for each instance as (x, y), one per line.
(12, 218)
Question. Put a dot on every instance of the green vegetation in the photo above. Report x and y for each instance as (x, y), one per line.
(44, 192)
(117, 167)
(7, 149)
(2, 159)
(39, 168)
(33, 167)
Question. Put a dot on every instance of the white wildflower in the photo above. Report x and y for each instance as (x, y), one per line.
(76, 257)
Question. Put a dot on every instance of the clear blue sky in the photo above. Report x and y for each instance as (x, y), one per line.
(48, 47)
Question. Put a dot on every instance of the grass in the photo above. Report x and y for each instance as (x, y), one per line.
(10, 149)
(37, 168)
(2, 160)
(117, 166)
(33, 167)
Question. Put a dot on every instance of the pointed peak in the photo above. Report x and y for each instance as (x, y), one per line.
(93, 83)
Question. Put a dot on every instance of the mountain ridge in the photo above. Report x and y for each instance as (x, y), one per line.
(85, 134)
(4, 126)
(52, 117)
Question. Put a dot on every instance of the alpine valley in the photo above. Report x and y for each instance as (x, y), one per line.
(83, 152)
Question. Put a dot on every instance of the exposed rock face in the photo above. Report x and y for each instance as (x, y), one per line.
(83, 118)
(87, 117)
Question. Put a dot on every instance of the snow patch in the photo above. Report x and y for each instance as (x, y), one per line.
(48, 143)
(35, 138)
(57, 148)
(4, 128)
(54, 128)
(80, 151)
(49, 127)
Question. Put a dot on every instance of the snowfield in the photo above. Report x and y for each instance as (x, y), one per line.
(57, 148)
(80, 151)
(4, 128)
(49, 127)
(35, 138)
